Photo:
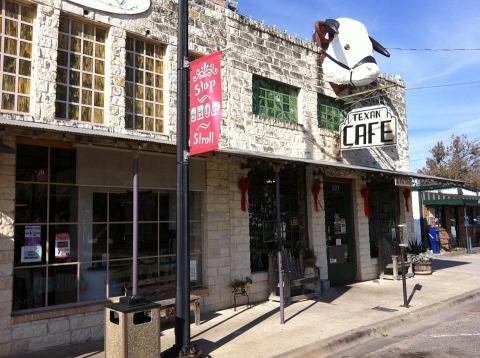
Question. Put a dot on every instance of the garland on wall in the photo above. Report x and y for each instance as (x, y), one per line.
(243, 186)
(315, 191)
(364, 192)
(406, 195)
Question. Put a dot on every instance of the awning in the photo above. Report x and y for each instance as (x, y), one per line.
(440, 199)
(326, 163)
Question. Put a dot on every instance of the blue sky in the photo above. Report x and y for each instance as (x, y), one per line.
(433, 114)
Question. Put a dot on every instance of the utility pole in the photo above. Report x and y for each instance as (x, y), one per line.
(182, 304)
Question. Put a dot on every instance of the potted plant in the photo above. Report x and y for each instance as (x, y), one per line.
(422, 258)
(309, 258)
(240, 286)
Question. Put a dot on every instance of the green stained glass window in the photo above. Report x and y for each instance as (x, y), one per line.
(275, 99)
(330, 113)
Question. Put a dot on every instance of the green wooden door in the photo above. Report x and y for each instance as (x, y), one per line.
(339, 232)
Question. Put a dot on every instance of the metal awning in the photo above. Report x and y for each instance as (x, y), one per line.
(440, 199)
(339, 165)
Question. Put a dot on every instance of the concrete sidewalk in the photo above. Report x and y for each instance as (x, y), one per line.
(344, 315)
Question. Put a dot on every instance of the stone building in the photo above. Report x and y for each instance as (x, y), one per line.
(84, 92)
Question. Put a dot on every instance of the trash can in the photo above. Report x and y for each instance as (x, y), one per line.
(132, 328)
(434, 239)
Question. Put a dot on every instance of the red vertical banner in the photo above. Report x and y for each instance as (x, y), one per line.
(205, 103)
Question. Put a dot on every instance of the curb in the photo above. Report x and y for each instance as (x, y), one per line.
(347, 339)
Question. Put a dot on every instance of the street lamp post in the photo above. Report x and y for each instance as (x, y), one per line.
(182, 303)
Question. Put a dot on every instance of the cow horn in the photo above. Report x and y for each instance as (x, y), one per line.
(379, 48)
(332, 26)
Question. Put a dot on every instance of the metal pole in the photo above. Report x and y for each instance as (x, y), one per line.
(402, 261)
(279, 243)
(135, 227)
(182, 319)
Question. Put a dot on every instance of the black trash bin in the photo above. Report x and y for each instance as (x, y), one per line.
(132, 329)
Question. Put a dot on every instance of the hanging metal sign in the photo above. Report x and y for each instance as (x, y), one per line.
(129, 7)
(403, 182)
(205, 103)
(369, 127)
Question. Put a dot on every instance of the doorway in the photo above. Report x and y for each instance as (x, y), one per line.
(339, 232)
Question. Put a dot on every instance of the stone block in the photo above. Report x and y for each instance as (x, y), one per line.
(81, 335)
(5, 349)
(56, 325)
(29, 330)
(84, 321)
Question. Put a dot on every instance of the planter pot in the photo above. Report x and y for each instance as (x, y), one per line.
(422, 268)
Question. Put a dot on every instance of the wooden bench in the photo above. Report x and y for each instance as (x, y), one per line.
(391, 268)
(162, 290)
(167, 309)
(295, 278)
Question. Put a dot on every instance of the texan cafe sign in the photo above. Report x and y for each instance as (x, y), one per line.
(374, 126)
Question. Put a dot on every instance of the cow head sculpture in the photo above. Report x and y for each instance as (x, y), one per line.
(347, 52)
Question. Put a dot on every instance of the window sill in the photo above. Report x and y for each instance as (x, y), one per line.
(282, 123)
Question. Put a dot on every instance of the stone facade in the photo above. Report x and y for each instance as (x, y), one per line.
(250, 48)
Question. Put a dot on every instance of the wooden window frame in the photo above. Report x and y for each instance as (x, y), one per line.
(136, 101)
(94, 113)
(19, 20)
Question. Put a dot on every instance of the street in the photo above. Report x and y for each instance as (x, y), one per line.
(455, 333)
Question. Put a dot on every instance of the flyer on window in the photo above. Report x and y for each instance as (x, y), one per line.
(31, 253)
(33, 235)
(62, 245)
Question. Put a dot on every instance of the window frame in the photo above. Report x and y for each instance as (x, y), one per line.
(282, 94)
(332, 120)
(69, 53)
(17, 56)
(130, 123)
(80, 224)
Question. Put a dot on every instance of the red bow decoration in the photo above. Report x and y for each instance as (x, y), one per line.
(364, 193)
(315, 191)
(243, 185)
(406, 195)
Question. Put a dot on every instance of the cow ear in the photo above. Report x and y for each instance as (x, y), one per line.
(378, 47)
(332, 26)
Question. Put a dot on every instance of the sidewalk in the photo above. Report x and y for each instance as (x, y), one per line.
(343, 314)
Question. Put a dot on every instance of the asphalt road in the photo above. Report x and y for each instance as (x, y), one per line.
(455, 333)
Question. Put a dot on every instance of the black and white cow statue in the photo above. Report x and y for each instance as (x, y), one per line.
(347, 52)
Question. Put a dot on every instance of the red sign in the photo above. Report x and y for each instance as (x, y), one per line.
(205, 103)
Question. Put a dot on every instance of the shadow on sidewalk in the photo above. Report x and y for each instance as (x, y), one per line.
(333, 293)
(441, 264)
(208, 346)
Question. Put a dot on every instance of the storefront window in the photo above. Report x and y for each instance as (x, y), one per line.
(73, 243)
(16, 32)
(261, 209)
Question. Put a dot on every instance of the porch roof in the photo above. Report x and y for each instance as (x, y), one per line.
(339, 165)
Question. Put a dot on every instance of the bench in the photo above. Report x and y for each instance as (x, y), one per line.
(162, 290)
(295, 278)
(391, 268)
(167, 309)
